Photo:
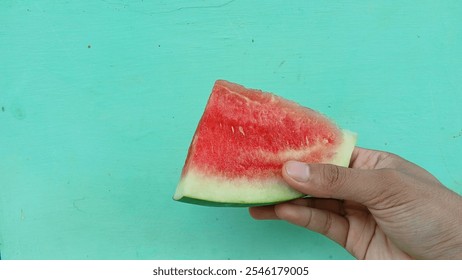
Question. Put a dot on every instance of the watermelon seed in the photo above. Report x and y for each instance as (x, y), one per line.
(241, 130)
(232, 128)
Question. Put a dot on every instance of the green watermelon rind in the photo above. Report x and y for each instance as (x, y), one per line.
(202, 202)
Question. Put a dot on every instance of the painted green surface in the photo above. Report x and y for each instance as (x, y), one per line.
(99, 101)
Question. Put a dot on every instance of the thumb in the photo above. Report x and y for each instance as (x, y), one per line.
(331, 181)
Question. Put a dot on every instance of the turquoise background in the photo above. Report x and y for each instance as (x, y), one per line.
(99, 101)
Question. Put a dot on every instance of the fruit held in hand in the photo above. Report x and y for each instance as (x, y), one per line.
(243, 139)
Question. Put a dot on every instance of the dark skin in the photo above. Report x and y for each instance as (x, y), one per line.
(381, 207)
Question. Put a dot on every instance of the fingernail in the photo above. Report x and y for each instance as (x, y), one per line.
(298, 171)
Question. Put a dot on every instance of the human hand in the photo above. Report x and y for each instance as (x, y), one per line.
(382, 207)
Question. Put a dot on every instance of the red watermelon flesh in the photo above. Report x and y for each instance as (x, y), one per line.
(243, 139)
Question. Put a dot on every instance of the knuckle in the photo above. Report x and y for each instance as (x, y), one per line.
(326, 228)
(333, 177)
(390, 160)
(392, 191)
(308, 221)
(390, 176)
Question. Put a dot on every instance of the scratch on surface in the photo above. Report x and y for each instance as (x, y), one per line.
(116, 3)
(130, 8)
(279, 66)
(144, 135)
(199, 7)
(74, 204)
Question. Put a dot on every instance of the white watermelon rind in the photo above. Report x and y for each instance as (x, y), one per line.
(239, 191)
(196, 188)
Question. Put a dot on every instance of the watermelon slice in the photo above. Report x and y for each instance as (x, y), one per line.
(243, 139)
